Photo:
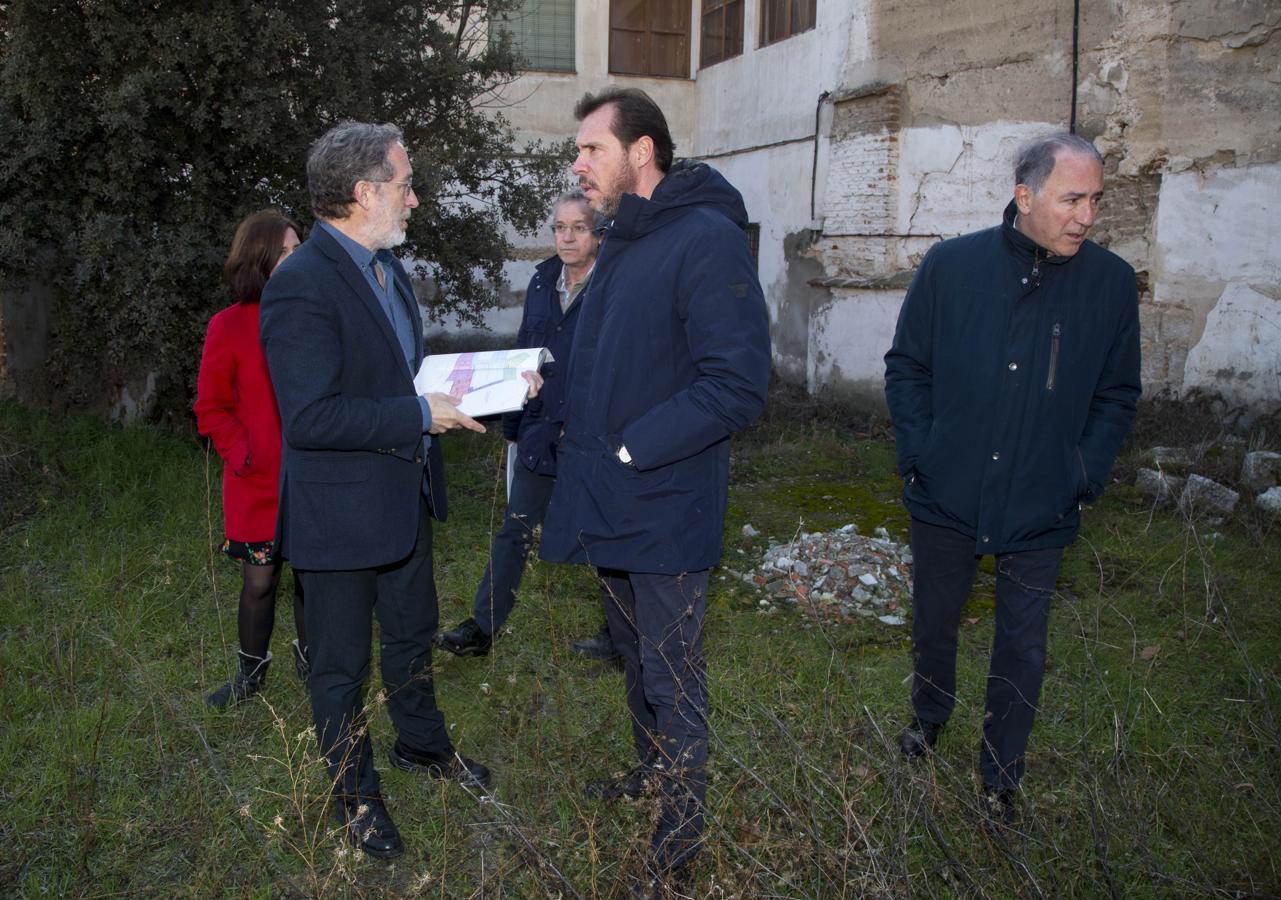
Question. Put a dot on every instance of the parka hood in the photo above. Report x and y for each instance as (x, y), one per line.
(688, 183)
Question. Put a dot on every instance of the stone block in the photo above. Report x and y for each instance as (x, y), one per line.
(1261, 470)
(1170, 457)
(1270, 502)
(1202, 496)
(1164, 488)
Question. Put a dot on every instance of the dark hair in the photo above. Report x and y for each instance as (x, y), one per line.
(1035, 159)
(345, 154)
(254, 252)
(636, 115)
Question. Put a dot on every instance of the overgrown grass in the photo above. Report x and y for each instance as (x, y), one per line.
(1153, 769)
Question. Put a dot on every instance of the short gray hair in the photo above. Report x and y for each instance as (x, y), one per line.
(345, 154)
(576, 195)
(1035, 159)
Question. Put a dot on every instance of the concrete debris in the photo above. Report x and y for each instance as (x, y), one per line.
(749, 531)
(839, 574)
(1164, 488)
(1270, 501)
(1205, 497)
(1261, 470)
(1170, 457)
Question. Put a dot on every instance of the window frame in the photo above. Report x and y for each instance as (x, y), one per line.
(763, 17)
(722, 9)
(498, 21)
(684, 10)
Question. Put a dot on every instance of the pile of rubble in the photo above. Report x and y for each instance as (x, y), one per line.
(837, 574)
(1195, 494)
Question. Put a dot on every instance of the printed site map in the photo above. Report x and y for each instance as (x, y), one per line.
(483, 383)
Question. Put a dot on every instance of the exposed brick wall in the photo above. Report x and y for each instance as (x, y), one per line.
(863, 169)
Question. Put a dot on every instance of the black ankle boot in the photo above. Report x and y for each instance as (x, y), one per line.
(251, 672)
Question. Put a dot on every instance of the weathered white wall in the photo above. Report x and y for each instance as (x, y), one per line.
(848, 340)
(1218, 254)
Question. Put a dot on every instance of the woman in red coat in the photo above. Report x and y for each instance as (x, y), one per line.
(236, 409)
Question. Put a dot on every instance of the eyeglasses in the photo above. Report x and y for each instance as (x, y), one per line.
(407, 187)
(579, 230)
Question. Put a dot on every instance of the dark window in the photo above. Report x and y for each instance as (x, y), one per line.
(753, 230)
(542, 33)
(649, 37)
(780, 19)
(721, 35)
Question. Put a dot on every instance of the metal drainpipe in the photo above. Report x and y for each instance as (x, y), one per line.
(1076, 59)
(818, 108)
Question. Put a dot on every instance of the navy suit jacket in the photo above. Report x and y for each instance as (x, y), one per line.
(353, 458)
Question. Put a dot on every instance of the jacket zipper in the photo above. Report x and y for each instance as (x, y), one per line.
(1055, 335)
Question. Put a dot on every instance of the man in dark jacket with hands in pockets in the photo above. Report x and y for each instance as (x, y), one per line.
(1012, 380)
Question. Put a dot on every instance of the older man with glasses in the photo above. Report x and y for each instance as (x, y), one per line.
(362, 473)
(552, 302)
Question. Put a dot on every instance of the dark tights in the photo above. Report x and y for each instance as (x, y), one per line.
(258, 608)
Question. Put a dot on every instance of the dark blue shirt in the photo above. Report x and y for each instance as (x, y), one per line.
(390, 298)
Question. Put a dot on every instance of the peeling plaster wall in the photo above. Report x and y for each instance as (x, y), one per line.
(847, 344)
(1218, 256)
(1182, 100)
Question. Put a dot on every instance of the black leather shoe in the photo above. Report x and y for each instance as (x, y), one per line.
(599, 646)
(465, 640)
(447, 766)
(369, 827)
(917, 738)
(632, 786)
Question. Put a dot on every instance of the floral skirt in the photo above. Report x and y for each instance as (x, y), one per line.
(260, 553)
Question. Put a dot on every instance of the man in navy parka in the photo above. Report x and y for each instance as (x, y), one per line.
(1013, 378)
(671, 357)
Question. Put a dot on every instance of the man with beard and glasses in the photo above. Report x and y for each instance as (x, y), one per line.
(671, 357)
(361, 475)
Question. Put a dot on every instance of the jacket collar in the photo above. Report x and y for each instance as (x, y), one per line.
(1023, 247)
(355, 279)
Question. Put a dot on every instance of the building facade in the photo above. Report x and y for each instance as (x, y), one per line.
(862, 131)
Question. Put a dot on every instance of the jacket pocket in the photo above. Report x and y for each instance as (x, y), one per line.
(622, 478)
(1056, 336)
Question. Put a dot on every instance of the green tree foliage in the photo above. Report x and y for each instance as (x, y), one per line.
(135, 135)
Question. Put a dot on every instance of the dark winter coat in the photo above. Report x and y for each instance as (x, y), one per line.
(1013, 379)
(536, 428)
(670, 358)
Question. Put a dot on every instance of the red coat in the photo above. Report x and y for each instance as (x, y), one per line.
(236, 409)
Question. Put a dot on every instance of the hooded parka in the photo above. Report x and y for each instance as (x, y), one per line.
(671, 356)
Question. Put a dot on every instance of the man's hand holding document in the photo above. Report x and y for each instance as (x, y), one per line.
(481, 384)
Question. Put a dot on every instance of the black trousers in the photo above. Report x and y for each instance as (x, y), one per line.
(496, 593)
(656, 623)
(944, 564)
(339, 610)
